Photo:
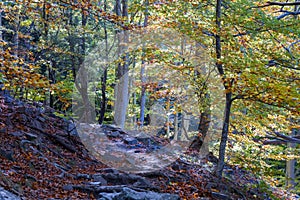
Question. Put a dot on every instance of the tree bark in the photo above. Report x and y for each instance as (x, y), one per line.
(224, 136)
(227, 87)
(104, 77)
(142, 76)
(290, 167)
(1, 36)
(87, 115)
(122, 87)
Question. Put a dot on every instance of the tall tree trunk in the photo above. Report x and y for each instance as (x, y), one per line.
(121, 94)
(72, 45)
(142, 75)
(227, 87)
(50, 100)
(224, 136)
(1, 47)
(16, 35)
(88, 113)
(51, 74)
(104, 77)
(143, 94)
(1, 36)
(16, 48)
(122, 87)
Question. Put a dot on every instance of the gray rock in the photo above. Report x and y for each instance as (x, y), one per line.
(31, 136)
(31, 111)
(114, 134)
(23, 119)
(129, 194)
(72, 128)
(6, 195)
(84, 176)
(36, 125)
(9, 155)
(108, 170)
(41, 119)
(130, 140)
(99, 178)
(67, 187)
(220, 196)
(3, 130)
(17, 133)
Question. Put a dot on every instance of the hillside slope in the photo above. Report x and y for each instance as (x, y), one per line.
(41, 157)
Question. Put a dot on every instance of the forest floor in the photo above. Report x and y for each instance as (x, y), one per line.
(40, 158)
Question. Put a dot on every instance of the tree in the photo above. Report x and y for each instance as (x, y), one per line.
(121, 88)
(254, 46)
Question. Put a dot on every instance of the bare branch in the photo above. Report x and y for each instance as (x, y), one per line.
(278, 139)
(282, 4)
(287, 13)
(292, 44)
(273, 142)
(270, 3)
(287, 138)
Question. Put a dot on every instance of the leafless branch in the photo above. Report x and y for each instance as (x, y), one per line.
(292, 44)
(277, 139)
(270, 3)
(284, 137)
(287, 13)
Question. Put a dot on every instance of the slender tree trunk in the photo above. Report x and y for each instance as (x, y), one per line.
(142, 76)
(16, 36)
(1, 46)
(72, 45)
(48, 101)
(82, 76)
(118, 8)
(176, 135)
(143, 94)
(185, 124)
(219, 65)
(1, 36)
(104, 99)
(16, 49)
(104, 77)
(134, 123)
(290, 166)
(296, 9)
(224, 136)
(168, 117)
(51, 74)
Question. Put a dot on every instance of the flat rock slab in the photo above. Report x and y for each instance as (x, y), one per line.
(129, 194)
(6, 195)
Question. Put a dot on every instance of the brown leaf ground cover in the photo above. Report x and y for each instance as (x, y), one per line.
(40, 159)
